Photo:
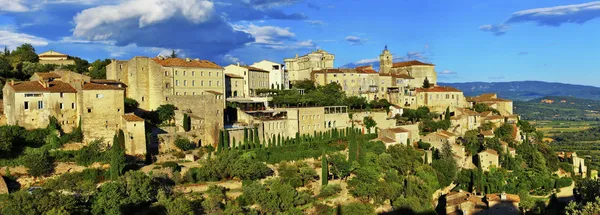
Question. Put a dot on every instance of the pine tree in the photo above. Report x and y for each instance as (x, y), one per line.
(324, 170)
(6, 51)
(426, 83)
(117, 159)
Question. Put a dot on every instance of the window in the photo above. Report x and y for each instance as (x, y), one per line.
(236, 83)
(167, 86)
(40, 105)
(62, 95)
(175, 72)
(185, 93)
(183, 73)
(201, 73)
(184, 83)
(26, 105)
(217, 74)
(166, 73)
(193, 93)
(202, 83)
(276, 67)
(193, 73)
(89, 110)
(209, 73)
(142, 98)
(218, 83)
(193, 83)
(119, 110)
(176, 93)
(176, 82)
(99, 96)
(210, 83)
(61, 106)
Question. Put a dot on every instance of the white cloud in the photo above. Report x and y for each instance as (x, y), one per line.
(315, 22)
(145, 12)
(447, 72)
(14, 39)
(307, 43)
(231, 59)
(13, 6)
(497, 30)
(267, 35)
(555, 16)
(267, 4)
(354, 40)
(366, 61)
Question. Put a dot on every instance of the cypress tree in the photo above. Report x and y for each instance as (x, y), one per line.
(250, 137)
(352, 150)
(324, 170)
(245, 135)
(279, 143)
(447, 115)
(233, 143)
(226, 139)
(221, 143)
(186, 122)
(117, 159)
(297, 138)
(256, 138)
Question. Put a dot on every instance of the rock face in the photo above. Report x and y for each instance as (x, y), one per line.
(3, 187)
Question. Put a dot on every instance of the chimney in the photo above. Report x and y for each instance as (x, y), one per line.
(238, 63)
(503, 196)
(187, 60)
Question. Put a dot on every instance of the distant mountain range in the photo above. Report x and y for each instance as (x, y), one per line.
(527, 90)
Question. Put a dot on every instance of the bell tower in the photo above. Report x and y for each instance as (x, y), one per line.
(385, 61)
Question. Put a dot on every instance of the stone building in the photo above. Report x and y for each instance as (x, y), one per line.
(504, 106)
(416, 69)
(151, 81)
(53, 57)
(234, 86)
(278, 77)
(300, 68)
(73, 100)
(579, 167)
(393, 136)
(439, 98)
(254, 78)
(503, 204)
(464, 120)
(134, 129)
(465, 203)
(488, 159)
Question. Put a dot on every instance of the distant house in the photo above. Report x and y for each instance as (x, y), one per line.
(464, 203)
(488, 159)
(53, 57)
(503, 203)
(392, 136)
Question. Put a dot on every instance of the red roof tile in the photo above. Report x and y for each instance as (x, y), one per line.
(410, 63)
(28, 86)
(178, 62)
(132, 117)
(490, 151)
(251, 68)
(398, 130)
(61, 87)
(233, 76)
(438, 89)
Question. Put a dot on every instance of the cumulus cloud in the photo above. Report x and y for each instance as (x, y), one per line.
(13, 39)
(238, 10)
(231, 59)
(495, 29)
(307, 43)
(354, 40)
(267, 35)
(172, 24)
(13, 6)
(549, 16)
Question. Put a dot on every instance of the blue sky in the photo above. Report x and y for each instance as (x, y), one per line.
(468, 40)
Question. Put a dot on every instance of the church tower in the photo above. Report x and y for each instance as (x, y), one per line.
(385, 61)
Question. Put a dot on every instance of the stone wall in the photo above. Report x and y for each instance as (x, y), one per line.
(101, 116)
(207, 107)
(135, 137)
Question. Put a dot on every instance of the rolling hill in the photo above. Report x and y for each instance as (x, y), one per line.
(527, 90)
(558, 108)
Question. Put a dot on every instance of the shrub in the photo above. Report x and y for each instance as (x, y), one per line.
(39, 164)
(179, 154)
(173, 165)
(563, 182)
(94, 152)
(184, 144)
(424, 145)
(330, 190)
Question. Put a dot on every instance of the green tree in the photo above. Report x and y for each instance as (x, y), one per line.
(39, 164)
(130, 105)
(166, 113)
(173, 54)
(24, 53)
(426, 83)
(117, 159)
(324, 170)
(221, 141)
(369, 123)
(184, 144)
(186, 123)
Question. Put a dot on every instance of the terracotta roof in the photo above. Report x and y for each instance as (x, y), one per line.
(497, 197)
(52, 54)
(503, 143)
(488, 98)
(178, 62)
(365, 69)
(487, 133)
(398, 130)
(446, 133)
(132, 117)
(92, 86)
(438, 89)
(28, 86)
(468, 112)
(251, 68)
(485, 113)
(105, 81)
(494, 117)
(410, 63)
(46, 75)
(404, 76)
(386, 140)
(336, 71)
(214, 92)
(60, 87)
(233, 76)
(490, 151)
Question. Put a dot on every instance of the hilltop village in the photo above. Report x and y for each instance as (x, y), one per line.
(358, 139)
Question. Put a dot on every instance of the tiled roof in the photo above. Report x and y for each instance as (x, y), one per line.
(105, 81)
(132, 117)
(28, 86)
(398, 130)
(60, 87)
(490, 151)
(455, 198)
(410, 63)
(497, 197)
(438, 89)
(233, 76)
(178, 62)
(403, 76)
(485, 113)
(494, 117)
(46, 75)
(52, 54)
(446, 134)
(365, 69)
(336, 71)
(468, 112)
(386, 140)
(251, 68)
(92, 86)
(489, 98)
(487, 133)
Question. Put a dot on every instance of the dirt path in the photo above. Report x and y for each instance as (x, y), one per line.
(566, 193)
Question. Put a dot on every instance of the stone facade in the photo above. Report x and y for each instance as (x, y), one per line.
(102, 111)
(418, 70)
(488, 159)
(53, 57)
(135, 136)
(300, 68)
(393, 136)
(278, 78)
(234, 86)
(440, 98)
(254, 78)
(505, 107)
(464, 203)
(151, 81)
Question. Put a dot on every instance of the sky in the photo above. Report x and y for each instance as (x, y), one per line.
(467, 40)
